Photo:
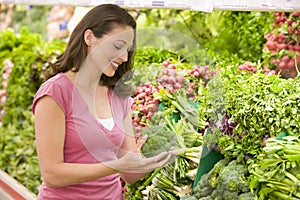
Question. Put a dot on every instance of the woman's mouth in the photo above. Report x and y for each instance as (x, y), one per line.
(114, 65)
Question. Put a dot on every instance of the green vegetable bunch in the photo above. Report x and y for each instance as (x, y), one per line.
(276, 174)
(227, 180)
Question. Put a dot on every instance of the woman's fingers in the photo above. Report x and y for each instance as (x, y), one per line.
(140, 142)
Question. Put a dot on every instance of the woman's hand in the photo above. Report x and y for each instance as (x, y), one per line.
(134, 162)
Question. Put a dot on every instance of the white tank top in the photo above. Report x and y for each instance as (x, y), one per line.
(107, 123)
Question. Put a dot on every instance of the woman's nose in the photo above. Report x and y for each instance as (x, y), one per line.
(124, 56)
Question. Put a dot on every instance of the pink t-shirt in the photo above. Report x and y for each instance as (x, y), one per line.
(86, 140)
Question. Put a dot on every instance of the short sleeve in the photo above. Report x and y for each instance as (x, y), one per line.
(127, 105)
(53, 90)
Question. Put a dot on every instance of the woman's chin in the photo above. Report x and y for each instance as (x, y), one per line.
(110, 73)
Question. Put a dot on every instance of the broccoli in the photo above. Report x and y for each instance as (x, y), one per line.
(160, 139)
(246, 196)
(225, 181)
(214, 173)
(203, 183)
(217, 193)
(206, 191)
(229, 195)
(203, 187)
(233, 177)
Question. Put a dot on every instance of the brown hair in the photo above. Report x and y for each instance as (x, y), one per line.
(101, 20)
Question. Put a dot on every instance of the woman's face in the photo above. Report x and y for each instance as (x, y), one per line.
(111, 50)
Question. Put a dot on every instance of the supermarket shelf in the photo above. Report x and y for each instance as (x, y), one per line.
(10, 189)
(200, 5)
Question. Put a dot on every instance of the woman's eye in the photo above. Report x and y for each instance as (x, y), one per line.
(118, 46)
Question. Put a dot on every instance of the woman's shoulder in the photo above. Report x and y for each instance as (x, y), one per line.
(56, 87)
(58, 79)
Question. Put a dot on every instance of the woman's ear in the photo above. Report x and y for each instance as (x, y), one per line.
(89, 37)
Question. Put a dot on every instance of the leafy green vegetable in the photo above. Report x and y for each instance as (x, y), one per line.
(275, 174)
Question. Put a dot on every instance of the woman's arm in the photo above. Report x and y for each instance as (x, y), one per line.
(50, 136)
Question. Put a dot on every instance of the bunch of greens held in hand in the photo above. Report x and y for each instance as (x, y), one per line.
(165, 132)
(176, 178)
(276, 173)
(247, 108)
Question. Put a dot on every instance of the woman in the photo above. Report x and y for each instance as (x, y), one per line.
(83, 127)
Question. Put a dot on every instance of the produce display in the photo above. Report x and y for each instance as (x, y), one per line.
(247, 98)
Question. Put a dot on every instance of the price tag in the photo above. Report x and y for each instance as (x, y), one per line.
(179, 4)
(134, 4)
(202, 5)
(280, 4)
(232, 4)
(8, 1)
(95, 2)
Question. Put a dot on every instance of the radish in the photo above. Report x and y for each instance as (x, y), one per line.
(282, 65)
(192, 85)
(164, 78)
(291, 64)
(196, 74)
(154, 107)
(271, 45)
(171, 66)
(148, 84)
(136, 119)
(190, 90)
(148, 91)
(165, 63)
(179, 79)
(290, 29)
(275, 61)
(298, 60)
(141, 95)
(285, 59)
(296, 14)
(171, 72)
(281, 46)
(165, 71)
(278, 19)
(289, 21)
(177, 85)
(149, 115)
(281, 35)
(172, 80)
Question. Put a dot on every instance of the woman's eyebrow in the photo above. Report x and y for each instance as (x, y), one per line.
(121, 41)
